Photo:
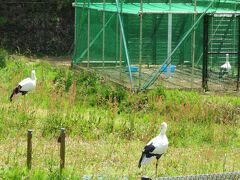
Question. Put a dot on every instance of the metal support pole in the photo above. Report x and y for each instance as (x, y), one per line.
(169, 50)
(238, 74)
(75, 35)
(140, 43)
(205, 54)
(193, 42)
(210, 42)
(103, 36)
(235, 40)
(29, 149)
(125, 45)
(62, 148)
(120, 56)
(88, 40)
(120, 47)
(117, 36)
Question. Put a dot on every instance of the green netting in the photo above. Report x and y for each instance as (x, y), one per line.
(155, 38)
(160, 8)
(98, 40)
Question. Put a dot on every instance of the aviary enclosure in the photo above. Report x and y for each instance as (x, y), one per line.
(177, 43)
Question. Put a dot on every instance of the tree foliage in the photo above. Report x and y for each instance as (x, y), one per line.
(45, 27)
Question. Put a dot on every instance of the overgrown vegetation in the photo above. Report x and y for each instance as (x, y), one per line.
(107, 126)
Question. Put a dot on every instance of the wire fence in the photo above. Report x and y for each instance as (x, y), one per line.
(219, 176)
(61, 140)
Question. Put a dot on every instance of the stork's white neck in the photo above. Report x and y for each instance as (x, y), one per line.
(163, 128)
(33, 76)
(227, 57)
(162, 132)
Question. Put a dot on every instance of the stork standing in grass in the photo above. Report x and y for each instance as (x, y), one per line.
(25, 85)
(155, 148)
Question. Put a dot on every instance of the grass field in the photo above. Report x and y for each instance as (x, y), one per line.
(107, 126)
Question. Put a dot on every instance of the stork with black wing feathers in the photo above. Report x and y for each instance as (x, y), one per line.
(155, 148)
(25, 85)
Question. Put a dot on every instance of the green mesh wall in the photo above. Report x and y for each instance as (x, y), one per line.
(155, 38)
(98, 28)
(95, 37)
(154, 31)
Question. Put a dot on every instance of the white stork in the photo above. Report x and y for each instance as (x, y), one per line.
(225, 68)
(155, 148)
(25, 85)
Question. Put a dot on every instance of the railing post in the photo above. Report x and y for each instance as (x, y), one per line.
(29, 149)
(205, 54)
(62, 148)
(140, 43)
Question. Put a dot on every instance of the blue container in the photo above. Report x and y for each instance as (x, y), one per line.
(172, 68)
(132, 69)
(164, 68)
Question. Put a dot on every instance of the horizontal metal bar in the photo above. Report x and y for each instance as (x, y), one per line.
(169, 12)
(153, 12)
(106, 62)
(223, 52)
(149, 12)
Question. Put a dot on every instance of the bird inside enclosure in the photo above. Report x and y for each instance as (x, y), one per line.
(225, 68)
(155, 148)
(25, 85)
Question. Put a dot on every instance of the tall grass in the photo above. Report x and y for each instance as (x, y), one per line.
(94, 110)
(84, 102)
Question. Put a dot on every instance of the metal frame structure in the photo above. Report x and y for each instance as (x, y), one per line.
(167, 61)
(206, 53)
(124, 42)
(142, 8)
